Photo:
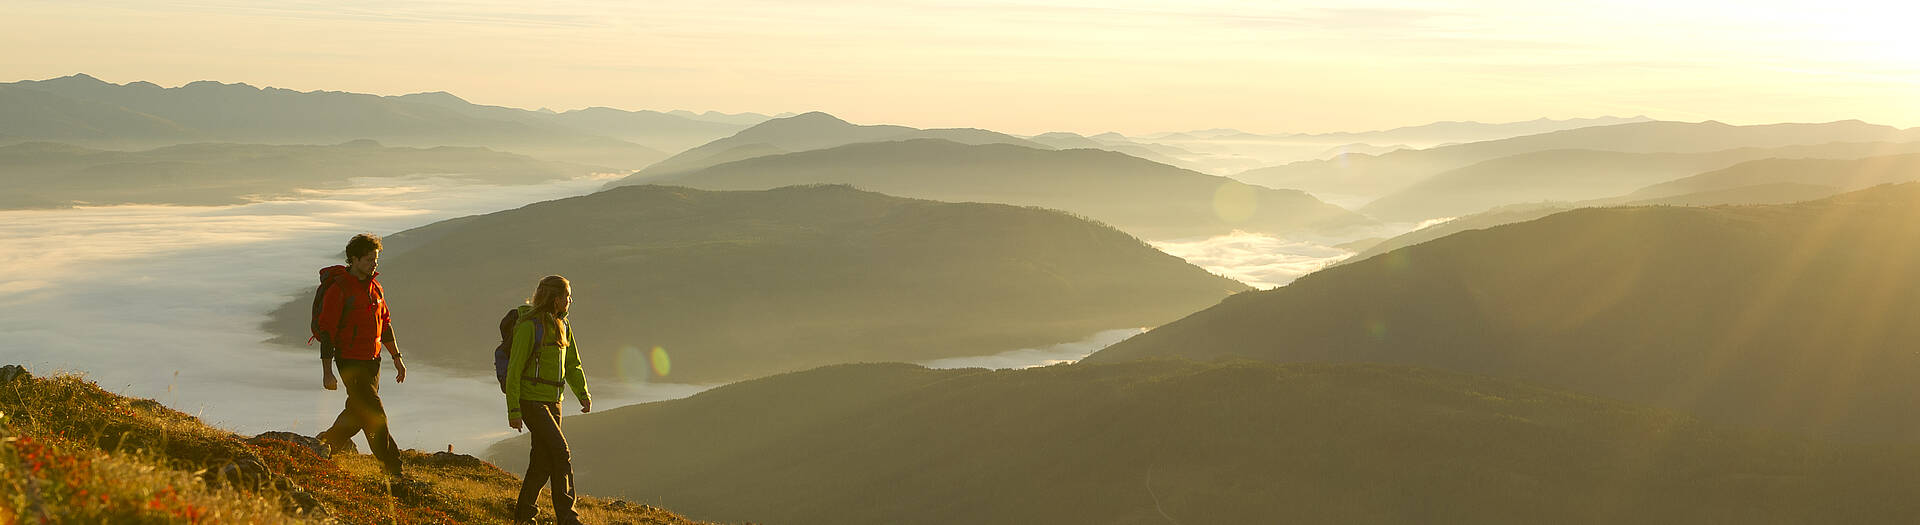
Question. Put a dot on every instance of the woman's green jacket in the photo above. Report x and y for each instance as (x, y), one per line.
(537, 375)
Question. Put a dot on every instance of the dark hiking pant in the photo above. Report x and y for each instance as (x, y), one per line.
(549, 459)
(364, 412)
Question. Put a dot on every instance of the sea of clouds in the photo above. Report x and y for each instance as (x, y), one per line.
(1259, 260)
(1042, 356)
(167, 302)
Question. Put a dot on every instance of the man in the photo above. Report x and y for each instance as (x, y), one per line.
(352, 325)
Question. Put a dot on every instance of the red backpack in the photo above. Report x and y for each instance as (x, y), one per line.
(328, 347)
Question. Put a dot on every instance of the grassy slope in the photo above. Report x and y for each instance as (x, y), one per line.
(1184, 442)
(77, 454)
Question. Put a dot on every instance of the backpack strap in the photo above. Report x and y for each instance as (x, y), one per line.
(346, 302)
(533, 373)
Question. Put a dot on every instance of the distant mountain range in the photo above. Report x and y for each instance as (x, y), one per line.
(1837, 174)
(47, 175)
(733, 285)
(1425, 135)
(1167, 441)
(670, 131)
(1368, 176)
(805, 132)
(1229, 151)
(1770, 181)
(740, 119)
(84, 110)
(1790, 317)
(1579, 175)
(1142, 197)
(1160, 153)
(1361, 148)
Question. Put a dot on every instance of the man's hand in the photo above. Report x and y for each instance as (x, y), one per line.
(514, 422)
(586, 405)
(399, 370)
(326, 376)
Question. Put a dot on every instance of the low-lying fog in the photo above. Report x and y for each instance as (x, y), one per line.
(1032, 357)
(166, 303)
(1262, 261)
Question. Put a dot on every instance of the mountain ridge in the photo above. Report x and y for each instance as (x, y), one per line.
(1766, 181)
(1589, 175)
(1704, 310)
(82, 108)
(814, 130)
(55, 175)
(1373, 176)
(1142, 197)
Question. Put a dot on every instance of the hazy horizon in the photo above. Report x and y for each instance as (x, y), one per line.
(1386, 261)
(1032, 68)
(790, 112)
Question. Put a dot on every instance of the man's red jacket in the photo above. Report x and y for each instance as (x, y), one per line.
(353, 315)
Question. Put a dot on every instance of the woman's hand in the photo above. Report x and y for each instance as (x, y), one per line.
(514, 422)
(399, 370)
(586, 405)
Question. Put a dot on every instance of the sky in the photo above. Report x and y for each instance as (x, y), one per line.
(1027, 67)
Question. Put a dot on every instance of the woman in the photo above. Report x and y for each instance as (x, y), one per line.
(543, 353)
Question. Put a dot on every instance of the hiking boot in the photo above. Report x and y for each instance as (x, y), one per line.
(405, 487)
(337, 447)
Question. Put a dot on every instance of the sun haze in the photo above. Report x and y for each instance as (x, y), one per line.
(1028, 67)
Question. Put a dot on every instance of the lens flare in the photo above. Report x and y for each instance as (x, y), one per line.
(661, 365)
(1377, 329)
(630, 364)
